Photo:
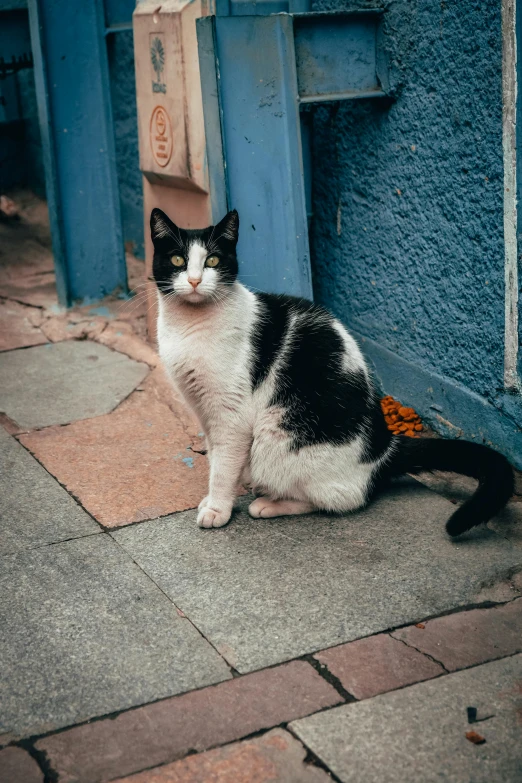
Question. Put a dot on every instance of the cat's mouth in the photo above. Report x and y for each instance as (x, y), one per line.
(194, 297)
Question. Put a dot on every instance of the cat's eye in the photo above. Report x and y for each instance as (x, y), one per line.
(212, 261)
(178, 260)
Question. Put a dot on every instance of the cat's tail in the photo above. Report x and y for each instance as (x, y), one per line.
(493, 471)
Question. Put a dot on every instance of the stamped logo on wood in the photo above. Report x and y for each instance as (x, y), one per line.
(157, 59)
(161, 136)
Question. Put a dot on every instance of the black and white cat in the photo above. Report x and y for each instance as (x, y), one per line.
(284, 395)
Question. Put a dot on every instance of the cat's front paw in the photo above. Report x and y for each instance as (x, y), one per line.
(211, 517)
(204, 502)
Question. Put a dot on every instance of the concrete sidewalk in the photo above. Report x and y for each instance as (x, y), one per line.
(136, 646)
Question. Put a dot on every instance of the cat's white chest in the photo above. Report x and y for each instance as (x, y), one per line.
(207, 358)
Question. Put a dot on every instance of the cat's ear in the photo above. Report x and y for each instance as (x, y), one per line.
(228, 228)
(161, 226)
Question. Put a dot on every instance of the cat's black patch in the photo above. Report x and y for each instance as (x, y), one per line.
(170, 240)
(323, 403)
(378, 436)
(268, 336)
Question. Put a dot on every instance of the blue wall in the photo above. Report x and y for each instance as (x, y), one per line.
(415, 188)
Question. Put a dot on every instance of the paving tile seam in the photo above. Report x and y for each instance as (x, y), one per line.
(71, 495)
(392, 629)
(25, 304)
(311, 759)
(324, 672)
(321, 669)
(25, 347)
(193, 752)
(180, 611)
(52, 776)
(348, 699)
(40, 757)
(426, 655)
(51, 543)
(311, 756)
(114, 350)
(33, 738)
(488, 604)
(126, 525)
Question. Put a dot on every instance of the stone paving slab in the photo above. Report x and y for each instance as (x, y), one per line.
(35, 510)
(170, 729)
(468, 638)
(133, 464)
(63, 382)
(86, 633)
(276, 757)
(265, 591)
(419, 733)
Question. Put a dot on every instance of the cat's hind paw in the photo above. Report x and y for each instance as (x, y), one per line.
(209, 517)
(265, 507)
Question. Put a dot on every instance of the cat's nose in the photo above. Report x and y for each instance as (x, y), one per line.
(194, 283)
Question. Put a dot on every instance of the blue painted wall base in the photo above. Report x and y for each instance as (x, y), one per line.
(448, 407)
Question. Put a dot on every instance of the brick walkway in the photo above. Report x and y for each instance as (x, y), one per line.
(137, 647)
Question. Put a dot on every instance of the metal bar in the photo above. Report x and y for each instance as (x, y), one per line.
(264, 168)
(209, 74)
(509, 141)
(352, 95)
(72, 87)
(336, 57)
(120, 27)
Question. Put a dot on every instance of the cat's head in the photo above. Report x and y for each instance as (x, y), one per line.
(197, 265)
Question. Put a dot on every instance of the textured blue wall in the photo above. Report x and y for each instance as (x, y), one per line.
(419, 263)
(407, 235)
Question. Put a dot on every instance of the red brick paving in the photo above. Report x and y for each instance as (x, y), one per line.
(120, 336)
(377, 664)
(468, 638)
(70, 326)
(276, 757)
(26, 265)
(17, 766)
(132, 464)
(17, 328)
(169, 729)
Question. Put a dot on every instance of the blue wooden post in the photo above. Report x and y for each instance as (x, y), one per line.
(261, 144)
(72, 86)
